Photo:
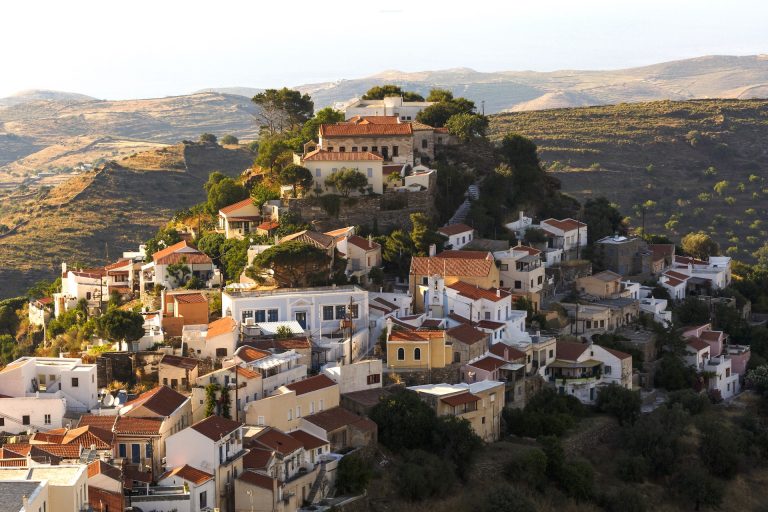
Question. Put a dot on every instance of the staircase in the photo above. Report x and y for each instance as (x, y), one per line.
(316, 484)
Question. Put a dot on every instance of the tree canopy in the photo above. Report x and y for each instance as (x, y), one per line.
(325, 116)
(297, 177)
(222, 192)
(272, 149)
(282, 109)
(295, 264)
(380, 92)
(164, 238)
(447, 106)
(700, 245)
(229, 140)
(119, 325)
(347, 180)
(208, 138)
(467, 126)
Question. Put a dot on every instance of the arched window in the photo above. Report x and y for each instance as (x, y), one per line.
(417, 354)
(400, 354)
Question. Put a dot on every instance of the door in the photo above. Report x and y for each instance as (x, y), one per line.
(136, 453)
(385, 152)
(301, 318)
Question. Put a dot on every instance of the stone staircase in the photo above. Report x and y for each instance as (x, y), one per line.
(316, 484)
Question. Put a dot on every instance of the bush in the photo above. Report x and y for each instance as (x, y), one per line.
(692, 402)
(625, 499)
(656, 438)
(229, 140)
(353, 475)
(694, 485)
(620, 402)
(423, 475)
(208, 138)
(577, 479)
(719, 449)
(530, 468)
(632, 469)
(505, 498)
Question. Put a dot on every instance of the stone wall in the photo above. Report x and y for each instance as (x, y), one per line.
(391, 210)
(450, 374)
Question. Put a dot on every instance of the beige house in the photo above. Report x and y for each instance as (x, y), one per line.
(322, 164)
(604, 285)
(411, 349)
(239, 219)
(362, 254)
(479, 402)
(177, 372)
(66, 489)
(285, 409)
(217, 342)
(386, 136)
(342, 428)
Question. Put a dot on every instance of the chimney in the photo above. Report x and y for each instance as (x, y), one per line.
(498, 292)
(432, 249)
(522, 214)
(64, 269)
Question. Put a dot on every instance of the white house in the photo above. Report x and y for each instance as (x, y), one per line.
(217, 341)
(239, 219)
(213, 445)
(40, 311)
(568, 233)
(322, 164)
(202, 488)
(362, 254)
(725, 380)
(88, 284)
(334, 317)
(276, 370)
(389, 106)
(198, 263)
(244, 385)
(522, 272)
(458, 235)
(365, 374)
(657, 308)
(715, 273)
(675, 283)
(66, 487)
(582, 368)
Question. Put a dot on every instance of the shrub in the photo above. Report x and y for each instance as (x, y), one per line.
(692, 402)
(577, 479)
(353, 475)
(625, 499)
(530, 467)
(505, 498)
(632, 469)
(656, 437)
(694, 485)
(719, 449)
(423, 475)
(620, 402)
(230, 140)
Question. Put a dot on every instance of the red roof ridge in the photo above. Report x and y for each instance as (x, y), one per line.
(236, 206)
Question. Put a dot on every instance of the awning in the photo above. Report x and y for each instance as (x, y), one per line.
(460, 399)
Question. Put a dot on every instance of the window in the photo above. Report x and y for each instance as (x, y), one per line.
(298, 411)
(365, 148)
(401, 354)
(607, 370)
(417, 354)
(2, 422)
(341, 312)
(589, 324)
(87, 295)
(439, 140)
(334, 170)
(221, 453)
(342, 149)
(321, 405)
(75, 382)
(318, 173)
(148, 450)
(290, 414)
(424, 143)
(330, 149)
(551, 353)
(47, 419)
(260, 316)
(25, 419)
(483, 420)
(246, 314)
(541, 279)
(373, 379)
(395, 150)
(487, 315)
(220, 352)
(425, 280)
(374, 148)
(122, 450)
(260, 420)
(370, 172)
(327, 312)
(354, 149)
(165, 381)
(203, 499)
(272, 315)
(355, 311)
(501, 284)
(504, 266)
(518, 284)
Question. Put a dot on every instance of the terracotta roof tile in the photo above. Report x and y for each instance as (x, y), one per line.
(103, 422)
(189, 298)
(282, 344)
(258, 479)
(476, 293)
(161, 400)
(257, 458)
(188, 473)
(676, 275)
(169, 250)
(250, 354)
(309, 441)
(454, 229)
(696, 343)
(565, 224)
(236, 206)
(310, 384)
(488, 363)
(320, 240)
(618, 353)
(321, 155)
(363, 243)
(453, 265)
(215, 427)
(138, 426)
(224, 325)
(414, 335)
(489, 324)
(100, 499)
(186, 363)
(278, 441)
(365, 130)
(672, 281)
(191, 258)
(99, 467)
(506, 352)
(338, 417)
(711, 335)
(460, 399)
(118, 264)
(268, 225)
(467, 334)
(569, 350)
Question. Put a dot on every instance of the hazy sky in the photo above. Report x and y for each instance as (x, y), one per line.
(138, 48)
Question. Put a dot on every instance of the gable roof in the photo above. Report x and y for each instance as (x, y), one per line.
(126, 425)
(221, 326)
(445, 264)
(215, 427)
(711, 335)
(363, 243)
(189, 298)
(454, 229)
(161, 400)
(102, 422)
(488, 363)
(617, 353)
(570, 350)
(236, 206)
(320, 240)
(565, 224)
(257, 458)
(606, 275)
(321, 155)
(696, 343)
(365, 130)
(169, 250)
(186, 363)
(309, 441)
(338, 417)
(512, 354)
(460, 399)
(474, 292)
(311, 384)
(99, 467)
(258, 479)
(189, 474)
(677, 275)
(414, 335)
(277, 440)
(250, 354)
(358, 119)
(191, 258)
(467, 334)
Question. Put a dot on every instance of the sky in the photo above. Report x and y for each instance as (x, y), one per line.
(141, 49)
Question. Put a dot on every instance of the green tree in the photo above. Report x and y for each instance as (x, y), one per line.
(226, 406)
(577, 478)
(719, 448)
(210, 399)
(224, 192)
(620, 402)
(692, 311)
(262, 192)
(422, 236)
(404, 421)
(325, 116)
(422, 475)
(119, 325)
(438, 114)
(379, 92)
(698, 488)
(505, 498)
(530, 467)
(467, 126)
(229, 140)
(455, 440)
(346, 180)
(657, 438)
(720, 187)
(272, 149)
(179, 272)
(397, 249)
(211, 244)
(282, 109)
(757, 379)
(438, 95)
(208, 138)
(297, 176)
(165, 237)
(603, 219)
(294, 264)
(699, 245)
(353, 474)
(673, 374)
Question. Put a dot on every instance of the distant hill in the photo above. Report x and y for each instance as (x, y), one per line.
(113, 208)
(662, 152)
(42, 95)
(248, 92)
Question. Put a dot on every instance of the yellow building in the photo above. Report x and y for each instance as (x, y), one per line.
(480, 403)
(605, 285)
(417, 350)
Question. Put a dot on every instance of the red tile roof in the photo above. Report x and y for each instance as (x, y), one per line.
(676, 275)
(138, 426)
(489, 324)
(413, 335)
(283, 344)
(189, 298)
(99, 467)
(373, 120)
(190, 258)
(365, 130)
(488, 363)
(445, 264)
(236, 206)
(161, 400)
(53, 451)
(320, 240)
(250, 354)
(102, 500)
(696, 343)
(257, 458)
(672, 281)
(618, 353)
(310, 384)
(524, 248)
(711, 335)
(188, 473)
(169, 250)
(467, 334)
(454, 229)
(102, 422)
(186, 363)
(89, 435)
(268, 225)
(224, 325)
(565, 224)
(338, 417)
(258, 479)
(321, 155)
(309, 441)
(277, 440)
(118, 264)
(662, 251)
(505, 351)
(215, 427)
(474, 292)
(460, 399)
(685, 260)
(569, 350)
(363, 243)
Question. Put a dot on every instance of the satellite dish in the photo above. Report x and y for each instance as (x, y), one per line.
(108, 400)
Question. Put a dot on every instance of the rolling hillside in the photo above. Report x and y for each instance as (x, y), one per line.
(113, 208)
(671, 157)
